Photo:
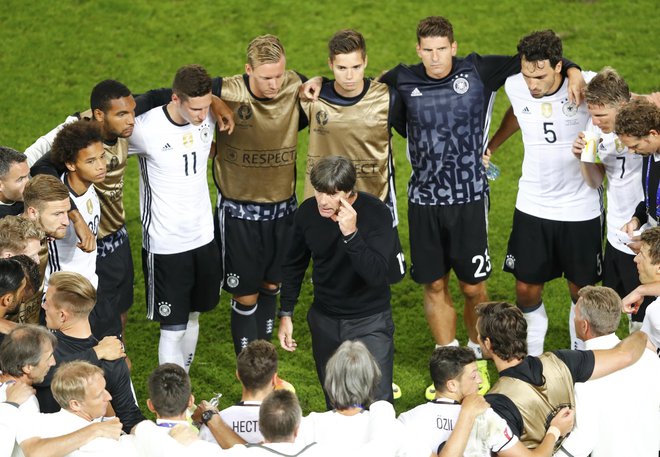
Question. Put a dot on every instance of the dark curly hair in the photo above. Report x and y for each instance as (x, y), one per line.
(542, 45)
(74, 137)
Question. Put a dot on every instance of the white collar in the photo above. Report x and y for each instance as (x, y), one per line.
(602, 342)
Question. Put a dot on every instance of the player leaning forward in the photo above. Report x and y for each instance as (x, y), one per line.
(180, 258)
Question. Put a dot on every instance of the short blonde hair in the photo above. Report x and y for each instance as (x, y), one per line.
(264, 49)
(70, 381)
(15, 231)
(607, 88)
(74, 292)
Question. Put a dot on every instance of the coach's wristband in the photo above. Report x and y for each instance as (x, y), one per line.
(554, 431)
(15, 405)
(350, 237)
(285, 313)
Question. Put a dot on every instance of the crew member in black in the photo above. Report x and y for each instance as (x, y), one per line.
(69, 300)
(348, 236)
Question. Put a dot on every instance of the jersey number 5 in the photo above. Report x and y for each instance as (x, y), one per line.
(550, 135)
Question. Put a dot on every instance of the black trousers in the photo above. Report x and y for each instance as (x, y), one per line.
(375, 331)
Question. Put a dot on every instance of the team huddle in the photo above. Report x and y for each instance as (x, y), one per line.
(66, 268)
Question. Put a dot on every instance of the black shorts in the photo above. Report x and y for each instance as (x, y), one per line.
(253, 251)
(177, 284)
(620, 273)
(444, 237)
(541, 250)
(114, 267)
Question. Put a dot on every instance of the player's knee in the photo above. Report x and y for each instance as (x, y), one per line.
(528, 294)
(436, 287)
(269, 289)
(474, 291)
(246, 300)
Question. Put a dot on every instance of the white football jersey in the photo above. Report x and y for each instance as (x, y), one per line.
(651, 324)
(551, 185)
(432, 423)
(243, 419)
(64, 254)
(623, 170)
(175, 204)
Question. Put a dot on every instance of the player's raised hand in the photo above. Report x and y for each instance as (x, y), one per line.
(285, 334)
(578, 145)
(346, 217)
(632, 301)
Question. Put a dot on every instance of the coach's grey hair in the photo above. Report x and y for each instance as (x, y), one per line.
(351, 376)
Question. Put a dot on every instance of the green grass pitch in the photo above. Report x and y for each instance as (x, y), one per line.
(53, 53)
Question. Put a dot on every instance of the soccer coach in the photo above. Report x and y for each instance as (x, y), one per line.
(348, 236)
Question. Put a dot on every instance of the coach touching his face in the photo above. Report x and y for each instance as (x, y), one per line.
(348, 236)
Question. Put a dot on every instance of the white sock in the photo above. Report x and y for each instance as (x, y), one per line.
(537, 327)
(453, 343)
(169, 347)
(576, 343)
(476, 348)
(189, 340)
